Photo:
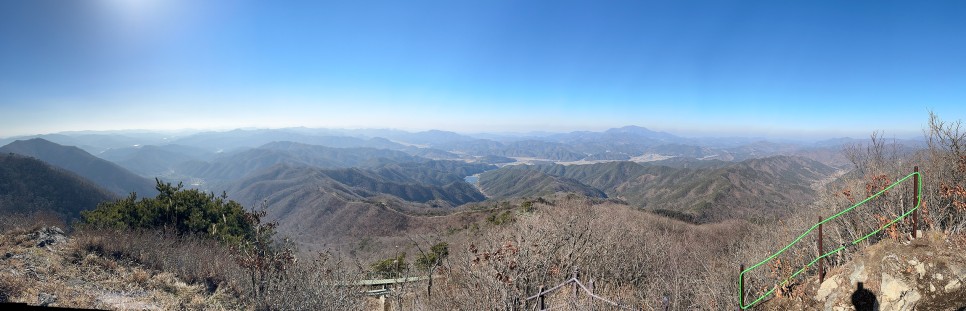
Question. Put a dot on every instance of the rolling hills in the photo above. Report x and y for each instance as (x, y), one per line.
(28, 185)
(154, 161)
(510, 183)
(238, 164)
(348, 184)
(361, 167)
(319, 207)
(765, 186)
(105, 174)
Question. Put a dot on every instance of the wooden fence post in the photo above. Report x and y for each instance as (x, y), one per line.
(915, 198)
(821, 250)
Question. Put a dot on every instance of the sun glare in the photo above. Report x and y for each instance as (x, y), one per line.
(139, 19)
(136, 10)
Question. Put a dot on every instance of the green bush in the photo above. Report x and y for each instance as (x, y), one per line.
(500, 218)
(185, 211)
(434, 257)
(391, 267)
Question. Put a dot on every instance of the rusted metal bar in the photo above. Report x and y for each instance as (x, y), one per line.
(915, 198)
(821, 251)
(741, 286)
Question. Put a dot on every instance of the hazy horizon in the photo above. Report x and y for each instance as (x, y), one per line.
(509, 134)
(723, 68)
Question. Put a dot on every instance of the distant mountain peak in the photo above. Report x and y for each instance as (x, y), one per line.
(36, 140)
(39, 145)
(437, 132)
(631, 128)
(640, 131)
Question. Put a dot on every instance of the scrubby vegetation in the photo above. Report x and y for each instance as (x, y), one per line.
(184, 211)
(207, 241)
(875, 165)
(495, 254)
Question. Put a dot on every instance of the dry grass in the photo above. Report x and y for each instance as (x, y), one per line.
(193, 264)
(152, 270)
(636, 258)
(196, 260)
(27, 222)
(75, 274)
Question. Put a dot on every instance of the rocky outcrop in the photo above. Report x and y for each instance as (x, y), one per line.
(923, 274)
(48, 236)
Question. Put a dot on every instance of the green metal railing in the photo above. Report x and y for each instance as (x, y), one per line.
(918, 199)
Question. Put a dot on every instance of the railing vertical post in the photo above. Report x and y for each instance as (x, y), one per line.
(541, 301)
(741, 286)
(576, 287)
(915, 198)
(821, 251)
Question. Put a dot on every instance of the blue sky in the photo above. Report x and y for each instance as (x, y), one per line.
(771, 68)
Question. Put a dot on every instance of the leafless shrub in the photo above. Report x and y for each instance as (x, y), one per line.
(945, 175)
(635, 259)
(194, 259)
(322, 283)
(877, 164)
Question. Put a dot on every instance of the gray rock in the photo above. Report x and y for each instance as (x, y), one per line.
(896, 295)
(952, 286)
(827, 287)
(48, 236)
(45, 299)
(920, 269)
(831, 301)
(858, 274)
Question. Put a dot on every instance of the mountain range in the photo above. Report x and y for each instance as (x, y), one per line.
(337, 182)
(610, 145)
(766, 186)
(341, 207)
(105, 174)
(28, 185)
